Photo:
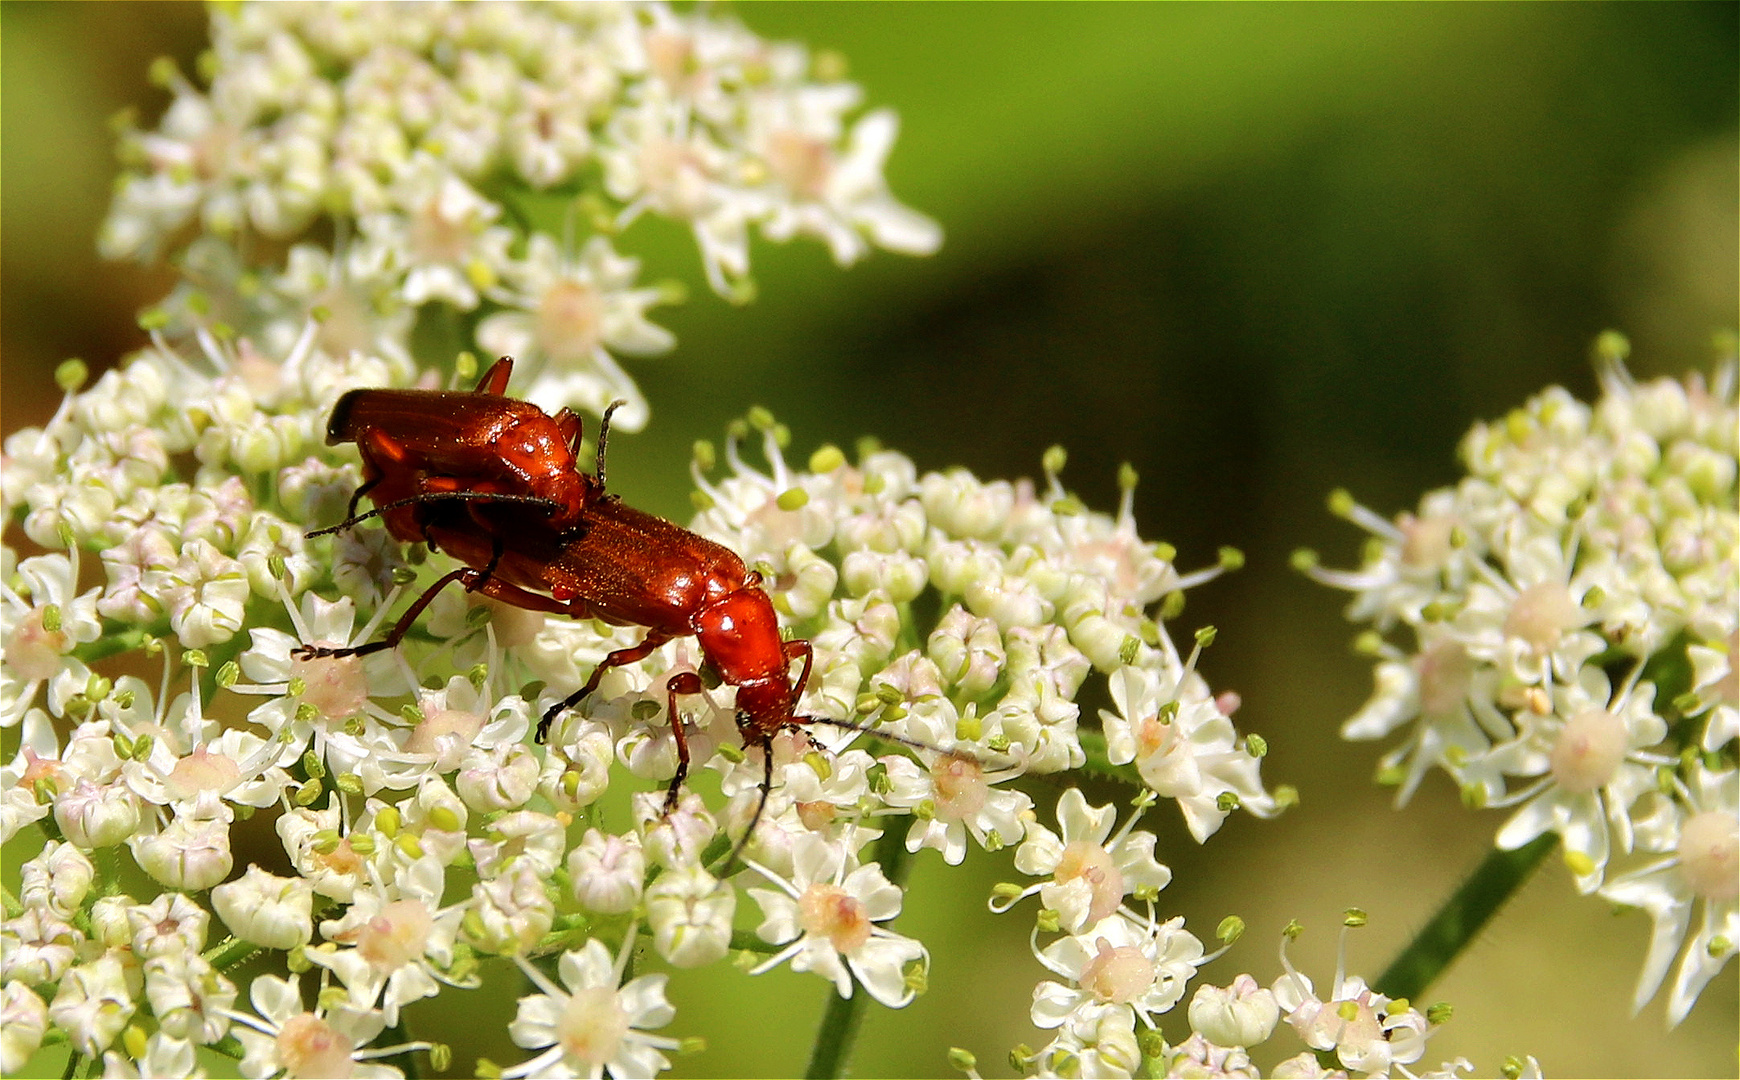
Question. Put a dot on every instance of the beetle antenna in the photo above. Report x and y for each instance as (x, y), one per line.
(760, 805)
(865, 729)
(432, 496)
(603, 435)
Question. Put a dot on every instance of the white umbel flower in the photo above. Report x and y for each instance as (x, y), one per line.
(825, 918)
(593, 1024)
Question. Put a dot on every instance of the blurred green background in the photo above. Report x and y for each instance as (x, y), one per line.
(1258, 251)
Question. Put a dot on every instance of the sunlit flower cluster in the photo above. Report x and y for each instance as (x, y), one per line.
(426, 836)
(1116, 972)
(1557, 632)
(364, 161)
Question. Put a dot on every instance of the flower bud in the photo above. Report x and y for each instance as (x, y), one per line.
(679, 837)
(266, 910)
(40, 946)
(525, 836)
(968, 650)
(960, 505)
(190, 853)
(813, 582)
(898, 575)
(1243, 1014)
(189, 997)
(510, 913)
(111, 926)
(23, 1021)
(57, 879)
(690, 912)
(169, 924)
(92, 816)
(606, 872)
(576, 776)
(501, 779)
(92, 1005)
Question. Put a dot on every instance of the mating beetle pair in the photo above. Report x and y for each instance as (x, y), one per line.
(494, 482)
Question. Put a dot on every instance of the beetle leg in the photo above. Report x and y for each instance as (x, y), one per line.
(495, 380)
(653, 640)
(683, 682)
(356, 496)
(400, 628)
(793, 650)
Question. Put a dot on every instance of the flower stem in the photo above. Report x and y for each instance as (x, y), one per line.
(1093, 744)
(406, 1061)
(1438, 943)
(229, 952)
(840, 1022)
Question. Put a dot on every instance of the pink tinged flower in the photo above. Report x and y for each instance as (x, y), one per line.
(1117, 962)
(591, 1024)
(1540, 615)
(266, 910)
(1709, 852)
(397, 945)
(1091, 870)
(825, 917)
(953, 799)
(201, 772)
(92, 1004)
(606, 872)
(1201, 1057)
(335, 685)
(94, 816)
(170, 924)
(1588, 750)
(287, 1040)
(40, 626)
(1355, 1021)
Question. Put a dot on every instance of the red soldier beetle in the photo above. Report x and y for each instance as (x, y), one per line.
(537, 533)
(480, 441)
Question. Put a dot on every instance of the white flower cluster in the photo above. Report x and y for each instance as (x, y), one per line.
(1116, 969)
(365, 160)
(955, 621)
(1567, 622)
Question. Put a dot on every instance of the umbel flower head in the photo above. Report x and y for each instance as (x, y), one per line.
(485, 158)
(1557, 632)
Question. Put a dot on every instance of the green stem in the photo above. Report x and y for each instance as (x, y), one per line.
(748, 941)
(229, 1046)
(840, 1022)
(72, 1065)
(229, 952)
(1438, 943)
(12, 905)
(1093, 744)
